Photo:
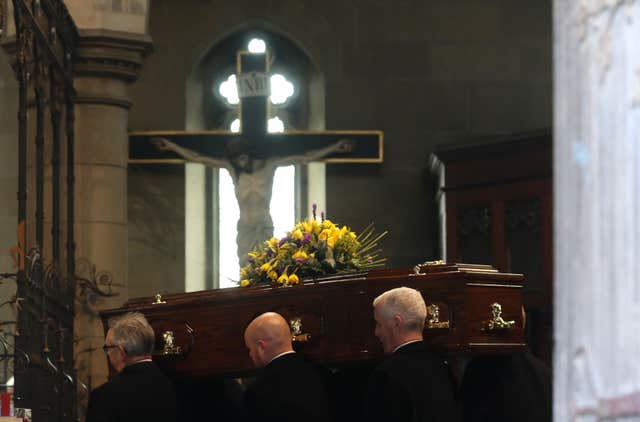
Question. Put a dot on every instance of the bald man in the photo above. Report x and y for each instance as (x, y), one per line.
(288, 389)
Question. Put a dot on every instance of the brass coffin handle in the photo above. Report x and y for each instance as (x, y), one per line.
(158, 300)
(417, 270)
(173, 340)
(433, 318)
(496, 322)
(296, 330)
(168, 344)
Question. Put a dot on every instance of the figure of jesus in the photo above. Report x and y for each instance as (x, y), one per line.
(252, 177)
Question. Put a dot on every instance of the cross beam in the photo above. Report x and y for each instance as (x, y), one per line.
(367, 145)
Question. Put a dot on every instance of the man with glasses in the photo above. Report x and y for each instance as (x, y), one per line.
(140, 391)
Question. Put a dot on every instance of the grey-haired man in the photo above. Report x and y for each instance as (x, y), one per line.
(140, 391)
(413, 384)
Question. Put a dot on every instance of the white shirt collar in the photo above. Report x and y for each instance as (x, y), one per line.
(139, 361)
(281, 354)
(404, 344)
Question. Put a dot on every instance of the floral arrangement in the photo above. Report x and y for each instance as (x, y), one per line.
(312, 248)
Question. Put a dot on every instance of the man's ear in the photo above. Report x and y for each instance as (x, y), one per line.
(262, 344)
(398, 321)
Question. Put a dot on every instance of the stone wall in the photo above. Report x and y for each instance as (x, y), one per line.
(425, 72)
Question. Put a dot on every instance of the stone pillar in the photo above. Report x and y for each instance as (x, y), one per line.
(8, 202)
(112, 45)
(106, 63)
(597, 210)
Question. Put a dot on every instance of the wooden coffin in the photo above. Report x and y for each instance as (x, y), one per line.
(200, 334)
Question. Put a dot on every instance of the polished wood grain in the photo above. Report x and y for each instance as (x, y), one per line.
(493, 174)
(337, 314)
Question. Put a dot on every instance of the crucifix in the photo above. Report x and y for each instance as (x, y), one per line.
(253, 155)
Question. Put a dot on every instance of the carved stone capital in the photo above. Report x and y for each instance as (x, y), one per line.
(102, 53)
(111, 54)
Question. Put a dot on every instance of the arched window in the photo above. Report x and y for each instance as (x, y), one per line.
(282, 205)
(215, 107)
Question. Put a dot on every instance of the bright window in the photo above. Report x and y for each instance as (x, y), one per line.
(282, 205)
(282, 212)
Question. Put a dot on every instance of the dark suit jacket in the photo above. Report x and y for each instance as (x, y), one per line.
(289, 389)
(505, 389)
(412, 385)
(141, 392)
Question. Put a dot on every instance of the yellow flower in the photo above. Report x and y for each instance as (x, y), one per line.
(283, 279)
(266, 267)
(310, 226)
(297, 234)
(293, 279)
(327, 224)
(300, 256)
(285, 247)
(272, 275)
(244, 283)
(273, 243)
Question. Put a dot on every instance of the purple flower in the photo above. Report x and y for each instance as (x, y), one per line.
(322, 216)
(306, 238)
(251, 259)
(314, 207)
(283, 241)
